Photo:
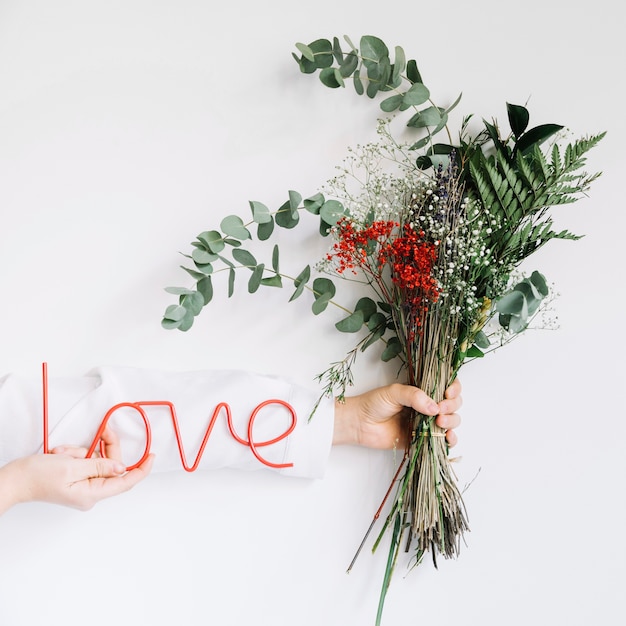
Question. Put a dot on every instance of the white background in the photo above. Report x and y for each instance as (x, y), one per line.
(128, 127)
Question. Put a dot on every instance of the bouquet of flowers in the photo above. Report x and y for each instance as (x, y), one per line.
(436, 233)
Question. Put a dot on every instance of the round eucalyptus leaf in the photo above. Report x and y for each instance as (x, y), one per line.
(306, 52)
(272, 281)
(186, 323)
(285, 218)
(193, 302)
(417, 94)
(314, 203)
(331, 77)
(391, 104)
(349, 64)
(202, 257)
(213, 240)
(511, 303)
(392, 350)
(351, 324)
(366, 306)
(320, 304)
(245, 258)
(260, 213)
(233, 226)
(373, 50)
(539, 281)
(294, 201)
(175, 313)
(205, 287)
(323, 287)
(265, 230)
(481, 340)
(332, 211)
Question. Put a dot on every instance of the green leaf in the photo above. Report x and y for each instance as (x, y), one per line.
(314, 203)
(536, 136)
(320, 304)
(349, 64)
(332, 211)
(179, 291)
(351, 324)
(175, 313)
(392, 350)
(358, 84)
(475, 353)
(202, 257)
(511, 303)
(205, 287)
(169, 324)
(186, 323)
(367, 307)
(425, 118)
(539, 281)
(245, 258)
(193, 302)
(331, 77)
(518, 118)
(212, 239)
(398, 66)
(416, 95)
(392, 103)
(377, 320)
(231, 281)
(412, 72)
(323, 291)
(322, 51)
(373, 50)
(198, 275)
(255, 279)
(285, 218)
(481, 340)
(260, 213)
(306, 52)
(233, 226)
(337, 51)
(265, 230)
(272, 281)
(300, 282)
(294, 202)
(275, 254)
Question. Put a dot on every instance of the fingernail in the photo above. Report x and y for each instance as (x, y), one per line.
(433, 407)
(119, 468)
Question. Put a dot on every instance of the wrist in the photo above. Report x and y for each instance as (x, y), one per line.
(9, 486)
(345, 430)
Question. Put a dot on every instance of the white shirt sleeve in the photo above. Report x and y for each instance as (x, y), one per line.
(77, 407)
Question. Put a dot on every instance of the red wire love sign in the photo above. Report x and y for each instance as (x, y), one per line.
(139, 408)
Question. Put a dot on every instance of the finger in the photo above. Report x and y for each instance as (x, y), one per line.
(451, 438)
(87, 469)
(454, 390)
(448, 420)
(76, 452)
(119, 484)
(450, 404)
(413, 397)
(112, 448)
